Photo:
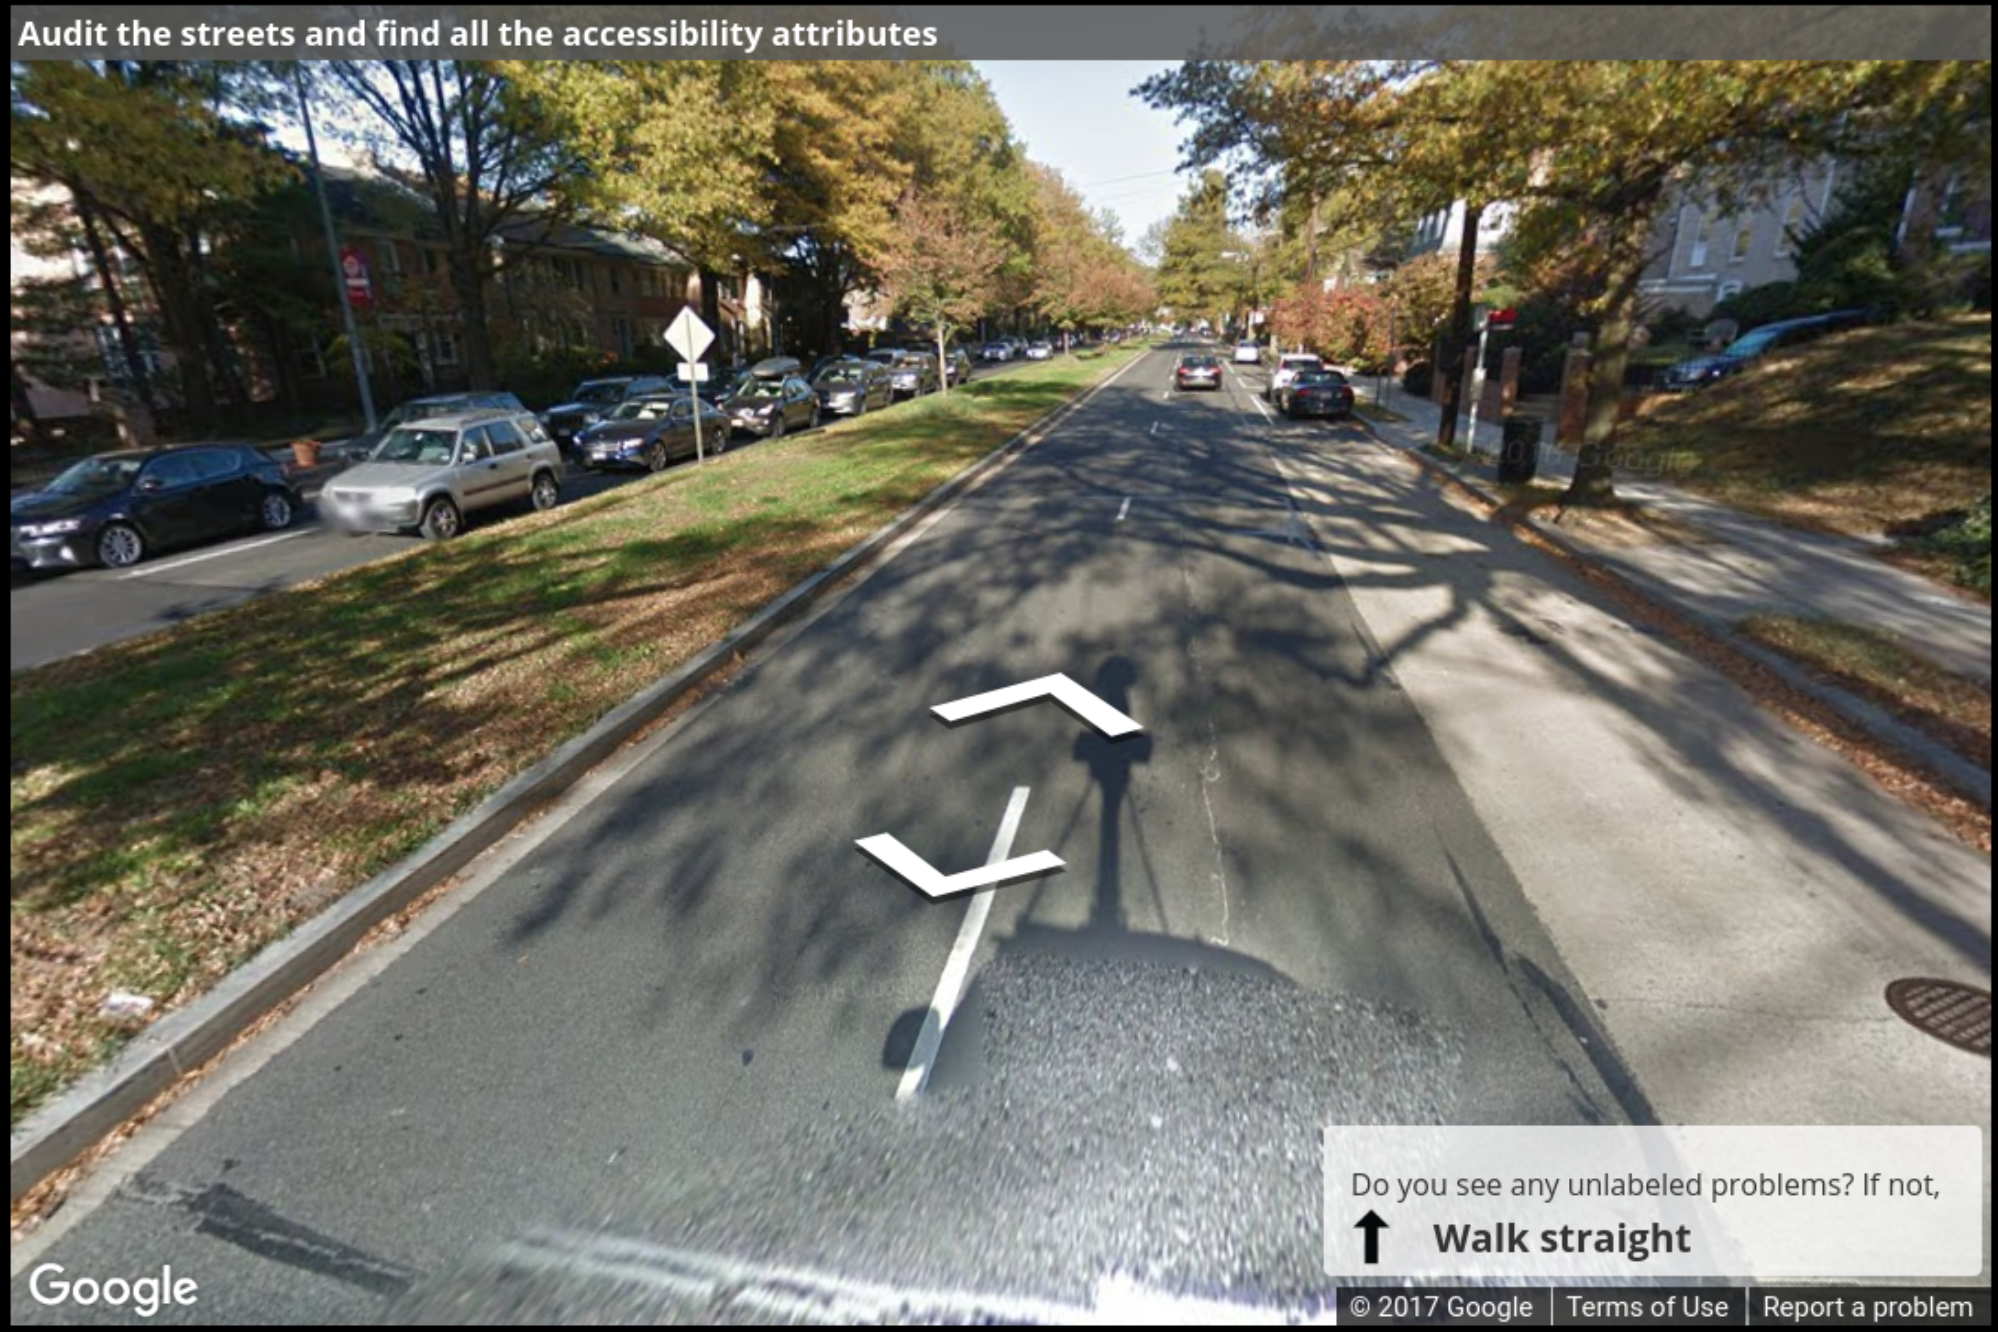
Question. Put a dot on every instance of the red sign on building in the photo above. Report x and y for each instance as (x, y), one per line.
(354, 271)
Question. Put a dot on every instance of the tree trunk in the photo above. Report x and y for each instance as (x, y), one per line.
(181, 321)
(468, 285)
(114, 300)
(1595, 473)
(1459, 337)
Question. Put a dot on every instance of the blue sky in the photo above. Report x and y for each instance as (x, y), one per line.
(1079, 117)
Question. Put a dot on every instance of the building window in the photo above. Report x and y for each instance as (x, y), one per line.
(612, 274)
(1744, 241)
(1793, 225)
(444, 346)
(1703, 236)
(621, 329)
(391, 257)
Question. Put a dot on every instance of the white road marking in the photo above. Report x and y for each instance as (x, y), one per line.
(1124, 509)
(950, 986)
(1092, 710)
(1154, 430)
(171, 565)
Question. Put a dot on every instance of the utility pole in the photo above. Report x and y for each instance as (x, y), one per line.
(333, 252)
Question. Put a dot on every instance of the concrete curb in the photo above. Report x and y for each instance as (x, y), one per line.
(1959, 775)
(182, 1041)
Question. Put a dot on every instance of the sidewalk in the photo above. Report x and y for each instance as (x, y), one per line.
(1748, 565)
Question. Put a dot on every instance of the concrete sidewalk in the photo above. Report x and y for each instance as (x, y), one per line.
(1749, 565)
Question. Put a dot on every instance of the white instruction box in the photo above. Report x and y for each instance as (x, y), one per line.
(1637, 1204)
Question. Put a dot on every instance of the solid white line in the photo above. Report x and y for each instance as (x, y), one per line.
(950, 986)
(171, 565)
(1124, 509)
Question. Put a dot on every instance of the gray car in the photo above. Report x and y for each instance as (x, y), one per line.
(427, 476)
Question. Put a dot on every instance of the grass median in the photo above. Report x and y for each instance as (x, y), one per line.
(183, 800)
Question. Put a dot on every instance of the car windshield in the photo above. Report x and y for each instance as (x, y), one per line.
(600, 392)
(1320, 379)
(417, 445)
(842, 374)
(761, 390)
(96, 476)
(643, 409)
(1200, 363)
(1301, 362)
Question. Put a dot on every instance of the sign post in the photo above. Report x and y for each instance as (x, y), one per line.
(690, 336)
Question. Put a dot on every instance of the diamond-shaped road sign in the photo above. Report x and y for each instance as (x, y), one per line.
(689, 335)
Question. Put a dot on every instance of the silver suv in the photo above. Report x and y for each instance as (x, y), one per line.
(427, 475)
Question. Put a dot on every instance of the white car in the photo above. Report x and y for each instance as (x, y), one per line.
(1288, 366)
(1040, 351)
(426, 476)
(1248, 353)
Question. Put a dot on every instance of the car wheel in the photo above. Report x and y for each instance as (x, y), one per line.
(441, 520)
(543, 492)
(277, 511)
(776, 425)
(120, 546)
(815, 417)
(655, 457)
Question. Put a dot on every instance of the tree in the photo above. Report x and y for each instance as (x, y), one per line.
(1082, 277)
(145, 161)
(1347, 326)
(480, 146)
(941, 267)
(1201, 273)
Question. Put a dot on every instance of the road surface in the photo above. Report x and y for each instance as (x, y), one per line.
(660, 1067)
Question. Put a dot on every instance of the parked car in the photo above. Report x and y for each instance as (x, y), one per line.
(1754, 344)
(1197, 370)
(913, 373)
(996, 351)
(428, 476)
(116, 508)
(1040, 351)
(593, 400)
(1248, 353)
(1287, 368)
(853, 387)
(772, 399)
(956, 366)
(1316, 393)
(420, 409)
(652, 431)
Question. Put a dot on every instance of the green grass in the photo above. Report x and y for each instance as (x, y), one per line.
(1884, 669)
(1881, 431)
(179, 802)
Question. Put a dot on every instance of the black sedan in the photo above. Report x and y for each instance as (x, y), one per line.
(853, 387)
(117, 508)
(1200, 371)
(651, 432)
(1316, 393)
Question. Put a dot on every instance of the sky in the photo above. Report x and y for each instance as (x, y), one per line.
(1079, 117)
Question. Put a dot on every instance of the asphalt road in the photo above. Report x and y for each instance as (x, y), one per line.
(650, 1072)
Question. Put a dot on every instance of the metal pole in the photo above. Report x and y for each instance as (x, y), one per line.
(1477, 389)
(333, 253)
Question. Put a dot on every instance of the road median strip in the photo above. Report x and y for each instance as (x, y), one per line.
(304, 766)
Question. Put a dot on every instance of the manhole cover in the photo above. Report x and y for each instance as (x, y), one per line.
(1959, 1014)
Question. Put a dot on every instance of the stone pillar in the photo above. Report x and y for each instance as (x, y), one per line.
(1574, 393)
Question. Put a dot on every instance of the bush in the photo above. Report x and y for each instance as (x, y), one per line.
(1966, 544)
(1766, 304)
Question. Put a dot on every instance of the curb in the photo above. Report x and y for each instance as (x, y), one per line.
(1956, 774)
(184, 1040)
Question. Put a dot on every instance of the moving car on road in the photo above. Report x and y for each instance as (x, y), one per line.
(1289, 366)
(1754, 344)
(1197, 370)
(1317, 393)
(117, 508)
(772, 399)
(652, 431)
(427, 476)
(1248, 353)
(593, 400)
(852, 387)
